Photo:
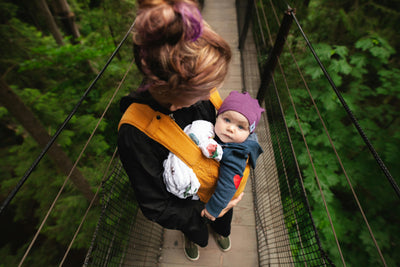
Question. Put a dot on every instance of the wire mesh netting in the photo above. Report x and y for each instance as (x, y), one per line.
(285, 228)
(286, 233)
(123, 237)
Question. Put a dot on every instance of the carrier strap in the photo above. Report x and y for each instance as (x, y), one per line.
(163, 129)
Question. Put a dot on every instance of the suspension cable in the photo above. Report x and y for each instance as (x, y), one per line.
(305, 143)
(333, 147)
(90, 206)
(349, 112)
(277, 137)
(313, 167)
(63, 125)
(109, 164)
(79, 157)
(261, 31)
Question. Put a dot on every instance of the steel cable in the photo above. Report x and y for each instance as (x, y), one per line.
(61, 128)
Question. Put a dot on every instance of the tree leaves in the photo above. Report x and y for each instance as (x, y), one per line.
(365, 69)
(377, 46)
(51, 79)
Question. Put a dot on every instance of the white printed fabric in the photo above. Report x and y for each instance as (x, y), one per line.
(179, 178)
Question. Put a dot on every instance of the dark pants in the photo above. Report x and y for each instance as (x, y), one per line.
(221, 226)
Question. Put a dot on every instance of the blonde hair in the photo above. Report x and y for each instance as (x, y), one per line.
(180, 55)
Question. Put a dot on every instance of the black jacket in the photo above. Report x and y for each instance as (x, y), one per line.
(143, 158)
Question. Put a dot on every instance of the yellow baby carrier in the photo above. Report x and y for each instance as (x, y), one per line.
(163, 129)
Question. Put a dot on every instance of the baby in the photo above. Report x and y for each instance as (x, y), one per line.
(233, 146)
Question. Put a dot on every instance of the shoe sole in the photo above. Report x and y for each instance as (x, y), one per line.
(224, 250)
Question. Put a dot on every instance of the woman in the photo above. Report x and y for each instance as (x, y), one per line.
(182, 60)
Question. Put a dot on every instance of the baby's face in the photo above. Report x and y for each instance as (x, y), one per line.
(232, 127)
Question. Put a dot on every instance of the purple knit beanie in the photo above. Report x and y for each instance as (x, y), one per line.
(244, 104)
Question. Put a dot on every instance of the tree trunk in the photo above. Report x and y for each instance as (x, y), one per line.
(24, 115)
(67, 18)
(50, 22)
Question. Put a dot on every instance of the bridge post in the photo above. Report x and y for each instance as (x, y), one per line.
(246, 24)
(269, 67)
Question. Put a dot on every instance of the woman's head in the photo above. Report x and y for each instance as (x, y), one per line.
(182, 57)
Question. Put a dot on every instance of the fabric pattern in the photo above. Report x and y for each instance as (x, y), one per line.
(179, 178)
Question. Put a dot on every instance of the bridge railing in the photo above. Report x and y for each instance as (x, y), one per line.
(123, 236)
(305, 186)
(286, 231)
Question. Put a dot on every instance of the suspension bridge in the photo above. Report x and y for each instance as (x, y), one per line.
(273, 224)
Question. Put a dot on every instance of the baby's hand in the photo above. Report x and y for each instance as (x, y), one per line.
(212, 150)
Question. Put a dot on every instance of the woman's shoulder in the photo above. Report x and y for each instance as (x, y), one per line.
(141, 96)
(138, 96)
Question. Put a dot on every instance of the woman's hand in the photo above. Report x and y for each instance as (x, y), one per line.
(205, 213)
(231, 204)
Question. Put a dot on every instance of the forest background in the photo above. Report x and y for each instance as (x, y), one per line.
(52, 50)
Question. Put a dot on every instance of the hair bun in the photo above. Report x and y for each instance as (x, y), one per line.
(150, 3)
(160, 22)
(158, 25)
(192, 19)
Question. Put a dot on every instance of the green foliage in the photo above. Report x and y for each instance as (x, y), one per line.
(374, 103)
(357, 44)
(377, 46)
(50, 79)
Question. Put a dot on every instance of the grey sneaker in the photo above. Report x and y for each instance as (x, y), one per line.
(224, 243)
(191, 250)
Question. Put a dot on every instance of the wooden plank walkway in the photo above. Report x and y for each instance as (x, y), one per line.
(221, 15)
(150, 245)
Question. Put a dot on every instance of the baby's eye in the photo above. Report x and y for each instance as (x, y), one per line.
(227, 120)
(241, 127)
